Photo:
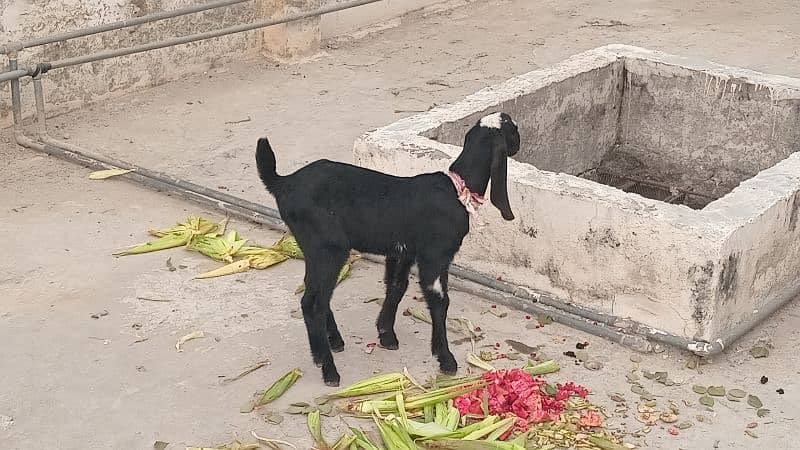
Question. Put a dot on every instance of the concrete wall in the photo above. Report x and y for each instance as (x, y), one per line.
(704, 132)
(564, 127)
(76, 86)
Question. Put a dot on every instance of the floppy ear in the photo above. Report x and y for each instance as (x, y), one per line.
(498, 175)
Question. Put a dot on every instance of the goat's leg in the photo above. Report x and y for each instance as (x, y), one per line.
(334, 336)
(396, 280)
(433, 281)
(322, 269)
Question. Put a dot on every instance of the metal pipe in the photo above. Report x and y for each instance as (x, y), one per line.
(16, 98)
(11, 75)
(99, 56)
(628, 333)
(161, 15)
(38, 93)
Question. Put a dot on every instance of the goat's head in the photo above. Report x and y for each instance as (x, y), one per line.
(487, 145)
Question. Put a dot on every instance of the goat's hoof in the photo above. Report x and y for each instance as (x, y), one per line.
(448, 366)
(330, 377)
(389, 342)
(337, 347)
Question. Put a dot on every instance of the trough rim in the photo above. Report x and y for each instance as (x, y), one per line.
(716, 222)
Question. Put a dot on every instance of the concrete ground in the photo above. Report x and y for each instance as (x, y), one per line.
(70, 381)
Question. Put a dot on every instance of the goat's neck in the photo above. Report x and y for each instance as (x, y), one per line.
(474, 166)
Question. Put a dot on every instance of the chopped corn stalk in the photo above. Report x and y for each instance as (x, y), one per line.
(455, 444)
(344, 442)
(363, 441)
(278, 388)
(543, 368)
(315, 428)
(414, 403)
(343, 273)
(475, 360)
(378, 384)
(394, 435)
(108, 173)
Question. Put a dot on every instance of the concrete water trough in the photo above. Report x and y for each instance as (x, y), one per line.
(657, 192)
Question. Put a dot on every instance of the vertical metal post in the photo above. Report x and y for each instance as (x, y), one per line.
(40, 113)
(16, 99)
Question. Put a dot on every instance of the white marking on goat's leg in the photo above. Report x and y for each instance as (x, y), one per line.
(492, 121)
(437, 287)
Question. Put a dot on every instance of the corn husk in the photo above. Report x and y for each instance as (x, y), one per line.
(266, 258)
(378, 384)
(288, 246)
(475, 360)
(180, 235)
(240, 266)
(108, 173)
(278, 388)
(220, 248)
(315, 428)
(343, 273)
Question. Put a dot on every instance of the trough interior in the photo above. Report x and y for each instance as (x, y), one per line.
(661, 131)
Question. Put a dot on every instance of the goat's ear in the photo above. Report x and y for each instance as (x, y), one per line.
(499, 194)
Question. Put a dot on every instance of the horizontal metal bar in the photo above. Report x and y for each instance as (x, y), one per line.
(13, 75)
(161, 15)
(107, 54)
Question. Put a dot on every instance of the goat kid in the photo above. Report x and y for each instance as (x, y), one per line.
(332, 207)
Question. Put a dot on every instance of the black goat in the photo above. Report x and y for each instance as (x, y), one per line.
(332, 207)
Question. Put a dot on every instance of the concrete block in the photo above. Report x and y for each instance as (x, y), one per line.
(658, 190)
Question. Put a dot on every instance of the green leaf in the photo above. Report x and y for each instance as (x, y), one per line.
(707, 401)
(754, 401)
(702, 390)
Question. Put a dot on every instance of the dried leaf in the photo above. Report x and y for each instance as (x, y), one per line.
(293, 409)
(103, 174)
(732, 398)
(668, 417)
(751, 425)
(188, 337)
(544, 319)
(684, 425)
(522, 348)
(661, 376)
(649, 375)
(754, 401)
(321, 400)
(617, 398)
(273, 417)
(762, 412)
(716, 391)
(296, 314)
(638, 389)
(636, 359)
(702, 390)
(738, 393)
(759, 352)
(707, 401)
(160, 445)
(593, 365)
(751, 433)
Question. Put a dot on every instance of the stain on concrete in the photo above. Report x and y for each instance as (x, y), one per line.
(529, 230)
(552, 272)
(727, 277)
(794, 212)
(700, 278)
(601, 238)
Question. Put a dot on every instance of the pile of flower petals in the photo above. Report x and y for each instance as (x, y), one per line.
(517, 392)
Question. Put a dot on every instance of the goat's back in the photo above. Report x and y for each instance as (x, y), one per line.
(376, 212)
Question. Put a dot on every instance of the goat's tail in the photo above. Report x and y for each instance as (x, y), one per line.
(265, 161)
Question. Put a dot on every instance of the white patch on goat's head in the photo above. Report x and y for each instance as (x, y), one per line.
(437, 286)
(401, 247)
(492, 121)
